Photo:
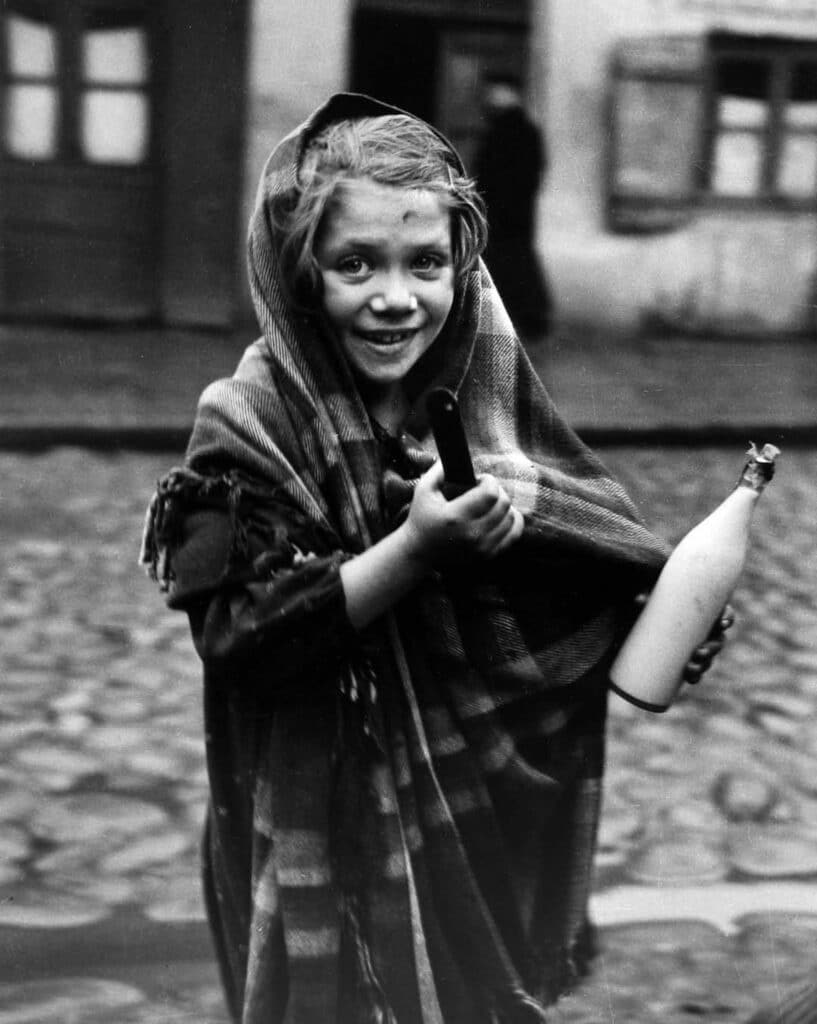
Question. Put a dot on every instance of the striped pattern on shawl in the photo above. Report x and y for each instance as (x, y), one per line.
(462, 765)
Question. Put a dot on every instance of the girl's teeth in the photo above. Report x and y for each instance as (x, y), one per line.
(388, 339)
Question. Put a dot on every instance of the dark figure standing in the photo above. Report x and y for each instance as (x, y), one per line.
(510, 164)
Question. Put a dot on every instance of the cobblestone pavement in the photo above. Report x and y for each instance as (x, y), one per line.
(706, 891)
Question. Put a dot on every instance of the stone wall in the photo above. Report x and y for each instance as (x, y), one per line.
(298, 56)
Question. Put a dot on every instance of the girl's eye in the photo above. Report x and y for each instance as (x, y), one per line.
(428, 261)
(353, 266)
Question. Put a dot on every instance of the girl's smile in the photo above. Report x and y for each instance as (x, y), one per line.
(388, 278)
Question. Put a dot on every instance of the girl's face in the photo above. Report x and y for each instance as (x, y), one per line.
(385, 259)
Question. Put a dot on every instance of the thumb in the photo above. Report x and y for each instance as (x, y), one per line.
(433, 478)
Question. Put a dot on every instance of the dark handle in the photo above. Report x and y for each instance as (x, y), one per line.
(444, 414)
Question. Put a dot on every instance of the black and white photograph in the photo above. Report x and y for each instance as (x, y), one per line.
(408, 489)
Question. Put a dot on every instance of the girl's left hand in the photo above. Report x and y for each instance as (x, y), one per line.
(702, 657)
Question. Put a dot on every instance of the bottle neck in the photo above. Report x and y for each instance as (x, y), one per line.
(759, 470)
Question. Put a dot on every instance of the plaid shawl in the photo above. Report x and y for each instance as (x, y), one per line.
(417, 849)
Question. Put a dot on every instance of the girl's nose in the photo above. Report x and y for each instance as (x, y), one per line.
(395, 298)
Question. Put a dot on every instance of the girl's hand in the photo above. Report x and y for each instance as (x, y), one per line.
(480, 522)
(703, 656)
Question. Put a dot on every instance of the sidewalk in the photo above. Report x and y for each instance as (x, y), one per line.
(125, 387)
(698, 388)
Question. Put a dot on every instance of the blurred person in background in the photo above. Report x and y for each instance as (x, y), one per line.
(511, 163)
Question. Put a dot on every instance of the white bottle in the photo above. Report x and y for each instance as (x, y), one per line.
(695, 584)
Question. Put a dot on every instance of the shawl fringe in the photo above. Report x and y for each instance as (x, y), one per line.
(183, 490)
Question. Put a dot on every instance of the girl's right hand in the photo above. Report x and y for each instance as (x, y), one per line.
(481, 521)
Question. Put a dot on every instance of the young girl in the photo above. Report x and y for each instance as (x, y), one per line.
(404, 695)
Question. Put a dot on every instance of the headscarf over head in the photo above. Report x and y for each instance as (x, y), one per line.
(514, 430)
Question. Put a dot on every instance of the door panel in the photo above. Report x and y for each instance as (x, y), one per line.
(85, 279)
(85, 201)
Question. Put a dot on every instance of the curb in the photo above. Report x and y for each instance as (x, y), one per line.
(174, 438)
(104, 438)
(801, 435)
(118, 941)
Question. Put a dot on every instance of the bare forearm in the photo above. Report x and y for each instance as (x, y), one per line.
(479, 524)
(376, 579)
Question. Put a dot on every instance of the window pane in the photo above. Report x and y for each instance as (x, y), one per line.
(114, 127)
(115, 56)
(738, 161)
(31, 121)
(748, 77)
(801, 110)
(797, 175)
(743, 90)
(740, 113)
(32, 48)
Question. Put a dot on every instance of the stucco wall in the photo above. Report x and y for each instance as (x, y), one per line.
(736, 271)
(298, 56)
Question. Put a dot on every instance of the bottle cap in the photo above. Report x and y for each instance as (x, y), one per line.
(759, 470)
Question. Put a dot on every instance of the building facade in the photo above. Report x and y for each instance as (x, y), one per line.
(683, 189)
(121, 157)
(682, 137)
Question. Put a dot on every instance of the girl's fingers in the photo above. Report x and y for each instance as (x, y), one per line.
(476, 502)
(506, 533)
(496, 514)
(517, 527)
(489, 541)
(434, 476)
(482, 517)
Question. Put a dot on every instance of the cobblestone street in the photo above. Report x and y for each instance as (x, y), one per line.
(706, 888)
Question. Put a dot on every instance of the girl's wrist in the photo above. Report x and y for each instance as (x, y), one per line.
(411, 548)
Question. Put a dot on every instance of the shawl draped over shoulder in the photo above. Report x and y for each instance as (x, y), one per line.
(402, 820)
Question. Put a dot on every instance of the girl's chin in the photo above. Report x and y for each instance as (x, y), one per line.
(371, 382)
(385, 363)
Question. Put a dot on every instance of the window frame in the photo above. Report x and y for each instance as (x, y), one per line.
(67, 18)
(781, 55)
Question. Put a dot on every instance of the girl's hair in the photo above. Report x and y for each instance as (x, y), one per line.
(393, 150)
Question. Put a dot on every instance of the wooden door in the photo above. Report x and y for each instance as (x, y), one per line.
(79, 208)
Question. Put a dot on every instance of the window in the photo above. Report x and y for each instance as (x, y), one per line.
(762, 125)
(114, 109)
(797, 161)
(719, 119)
(741, 121)
(77, 80)
(32, 89)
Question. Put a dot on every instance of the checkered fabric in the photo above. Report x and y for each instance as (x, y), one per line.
(402, 821)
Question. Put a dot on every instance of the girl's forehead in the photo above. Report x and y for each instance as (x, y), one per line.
(363, 203)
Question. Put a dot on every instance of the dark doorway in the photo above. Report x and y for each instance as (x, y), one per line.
(394, 59)
(434, 64)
